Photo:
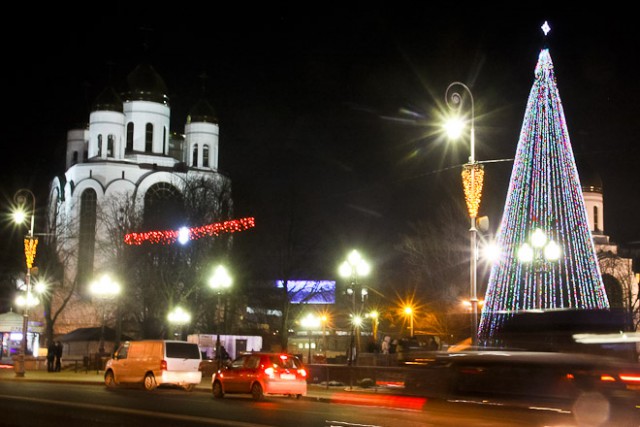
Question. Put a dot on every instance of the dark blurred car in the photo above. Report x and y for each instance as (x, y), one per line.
(261, 373)
(529, 378)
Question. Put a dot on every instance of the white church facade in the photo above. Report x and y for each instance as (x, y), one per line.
(621, 283)
(127, 154)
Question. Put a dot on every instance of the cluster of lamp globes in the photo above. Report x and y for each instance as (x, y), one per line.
(220, 280)
(540, 243)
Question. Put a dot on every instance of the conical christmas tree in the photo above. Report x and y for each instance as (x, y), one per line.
(547, 259)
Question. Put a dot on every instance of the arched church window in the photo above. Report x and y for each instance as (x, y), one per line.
(148, 138)
(194, 157)
(596, 225)
(163, 207)
(86, 235)
(164, 141)
(99, 145)
(205, 156)
(110, 140)
(613, 288)
(129, 146)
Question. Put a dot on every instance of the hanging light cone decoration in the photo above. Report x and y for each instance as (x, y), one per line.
(30, 245)
(472, 181)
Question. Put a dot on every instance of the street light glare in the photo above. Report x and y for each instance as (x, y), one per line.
(220, 279)
(552, 251)
(179, 316)
(354, 265)
(345, 269)
(491, 252)
(454, 127)
(19, 216)
(183, 235)
(538, 238)
(363, 268)
(525, 253)
(105, 287)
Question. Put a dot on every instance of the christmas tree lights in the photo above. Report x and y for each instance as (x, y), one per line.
(167, 237)
(545, 197)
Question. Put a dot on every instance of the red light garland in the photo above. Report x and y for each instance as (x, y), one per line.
(168, 237)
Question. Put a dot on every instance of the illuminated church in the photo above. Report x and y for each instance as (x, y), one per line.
(126, 162)
(620, 281)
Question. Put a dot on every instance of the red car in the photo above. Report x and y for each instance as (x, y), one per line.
(261, 373)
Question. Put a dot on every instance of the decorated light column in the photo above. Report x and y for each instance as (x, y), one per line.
(30, 245)
(472, 181)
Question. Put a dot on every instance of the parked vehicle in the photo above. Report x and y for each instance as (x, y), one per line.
(260, 374)
(153, 363)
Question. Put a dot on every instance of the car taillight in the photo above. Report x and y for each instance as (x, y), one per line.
(302, 372)
(269, 372)
(607, 378)
(630, 378)
(163, 365)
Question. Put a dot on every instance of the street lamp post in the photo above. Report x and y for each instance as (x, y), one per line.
(220, 281)
(30, 245)
(104, 289)
(539, 251)
(324, 318)
(409, 312)
(179, 317)
(353, 268)
(472, 180)
(310, 322)
(373, 315)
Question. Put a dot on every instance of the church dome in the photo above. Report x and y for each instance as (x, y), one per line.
(108, 100)
(202, 111)
(590, 179)
(145, 84)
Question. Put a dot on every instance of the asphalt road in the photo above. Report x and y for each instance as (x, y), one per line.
(64, 404)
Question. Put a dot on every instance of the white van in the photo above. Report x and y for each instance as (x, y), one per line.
(153, 363)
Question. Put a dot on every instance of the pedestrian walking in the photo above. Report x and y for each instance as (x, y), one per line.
(51, 355)
(58, 353)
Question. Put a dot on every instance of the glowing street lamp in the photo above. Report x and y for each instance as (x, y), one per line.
(310, 322)
(353, 268)
(409, 312)
(179, 317)
(30, 245)
(539, 251)
(105, 290)
(472, 180)
(219, 282)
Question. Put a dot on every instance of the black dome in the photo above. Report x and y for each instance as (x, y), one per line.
(107, 100)
(589, 178)
(202, 111)
(145, 84)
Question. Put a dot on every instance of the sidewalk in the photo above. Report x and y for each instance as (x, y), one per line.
(333, 394)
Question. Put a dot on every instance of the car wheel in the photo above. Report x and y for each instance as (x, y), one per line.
(189, 387)
(150, 383)
(109, 379)
(298, 396)
(216, 388)
(256, 392)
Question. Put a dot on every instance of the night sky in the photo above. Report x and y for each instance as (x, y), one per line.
(334, 107)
